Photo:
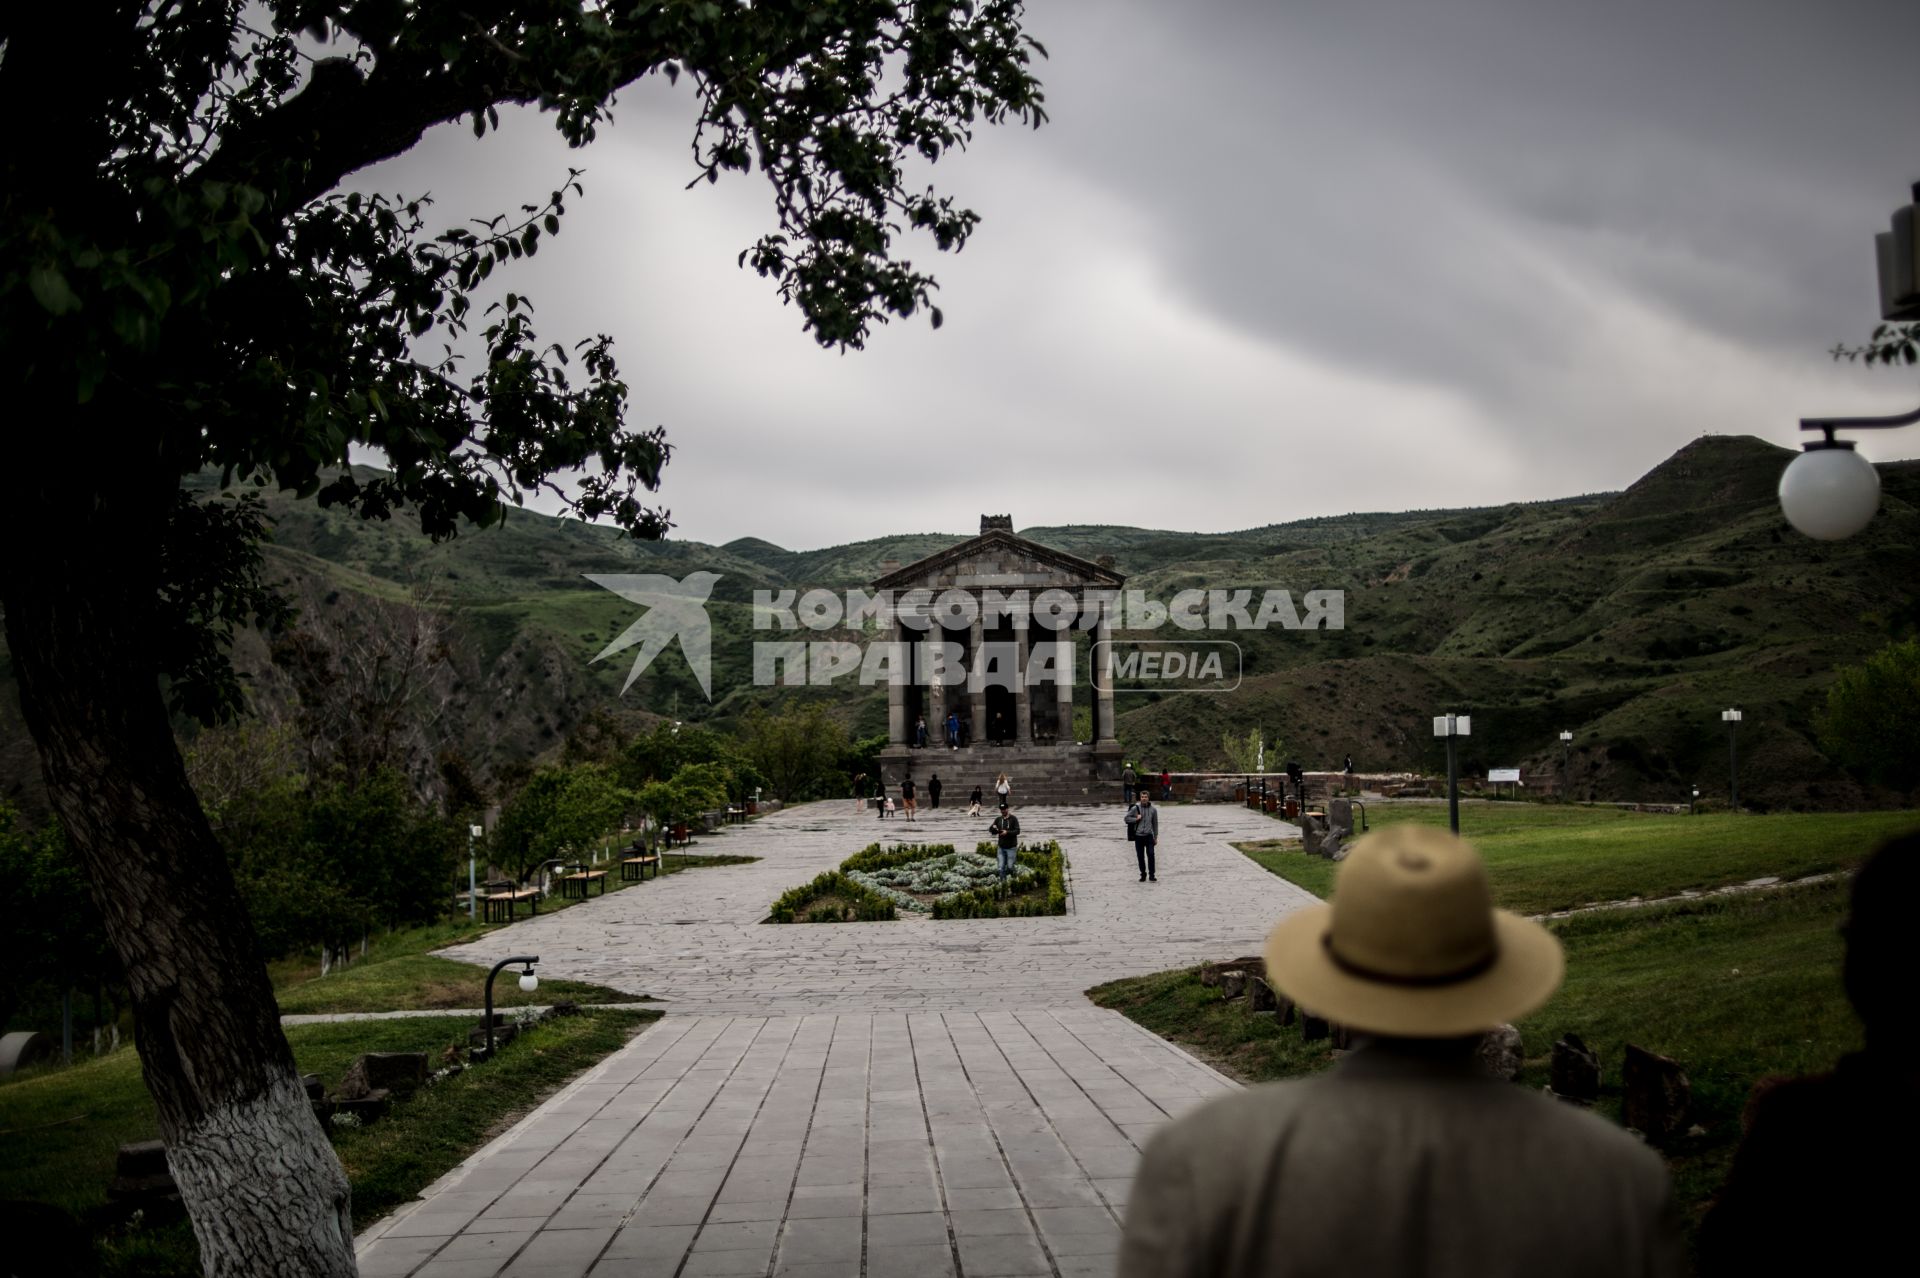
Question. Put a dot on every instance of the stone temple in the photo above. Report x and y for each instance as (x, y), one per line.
(1011, 670)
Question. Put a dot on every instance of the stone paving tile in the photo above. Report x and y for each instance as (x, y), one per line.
(893, 1099)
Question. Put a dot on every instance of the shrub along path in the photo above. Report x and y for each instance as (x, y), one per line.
(920, 1096)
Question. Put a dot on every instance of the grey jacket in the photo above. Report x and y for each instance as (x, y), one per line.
(1398, 1162)
(1148, 824)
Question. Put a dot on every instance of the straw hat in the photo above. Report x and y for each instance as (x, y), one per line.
(1411, 945)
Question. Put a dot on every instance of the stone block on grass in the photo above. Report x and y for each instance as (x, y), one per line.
(1658, 1095)
(398, 1073)
(1574, 1072)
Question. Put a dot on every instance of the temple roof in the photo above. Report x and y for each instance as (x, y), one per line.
(1000, 558)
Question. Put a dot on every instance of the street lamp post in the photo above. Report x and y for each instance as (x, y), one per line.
(1830, 491)
(1732, 719)
(1451, 726)
(528, 983)
(473, 832)
(1566, 764)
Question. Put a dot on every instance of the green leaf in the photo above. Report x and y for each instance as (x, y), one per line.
(50, 289)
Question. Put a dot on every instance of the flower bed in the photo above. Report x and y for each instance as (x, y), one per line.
(937, 879)
(1039, 888)
(922, 882)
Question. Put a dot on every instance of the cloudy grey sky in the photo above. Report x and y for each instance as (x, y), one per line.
(1273, 260)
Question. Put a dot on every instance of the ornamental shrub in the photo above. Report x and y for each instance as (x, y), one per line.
(867, 906)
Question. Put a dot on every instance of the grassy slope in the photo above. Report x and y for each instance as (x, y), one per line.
(1544, 857)
(399, 973)
(69, 1163)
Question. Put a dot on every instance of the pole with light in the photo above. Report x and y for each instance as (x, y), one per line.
(528, 984)
(1451, 726)
(1566, 765)
(1732, 719)
(1830, 491)
(473, 832)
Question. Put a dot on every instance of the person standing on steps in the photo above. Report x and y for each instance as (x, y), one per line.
(953, 729)
(1129, 782)
(973, 805)
(920, 732)
(1003, 786)
(906, 795)
(1006, 829)
(1146, 835)
(933, 790)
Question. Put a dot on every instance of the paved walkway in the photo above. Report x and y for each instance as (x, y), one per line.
(911, 1098)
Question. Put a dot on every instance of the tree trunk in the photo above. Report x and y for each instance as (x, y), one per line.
(266, 1194)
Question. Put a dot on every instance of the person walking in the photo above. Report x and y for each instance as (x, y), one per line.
(1166, 786)
(933, 790)
(1129, 782)
(1406, 1157)
(973, 805)
(1349, 771)
(1003, 786)
(906, 795)
(1816, 1185)
(860, 793)
(953, 729)
(1144, 819)
(1006, 829)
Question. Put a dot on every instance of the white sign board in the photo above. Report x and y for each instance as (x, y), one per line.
(1503, 774)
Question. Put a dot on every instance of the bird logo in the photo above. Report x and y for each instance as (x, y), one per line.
(675, 609)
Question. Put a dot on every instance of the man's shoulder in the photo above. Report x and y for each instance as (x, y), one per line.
(1258, 1117)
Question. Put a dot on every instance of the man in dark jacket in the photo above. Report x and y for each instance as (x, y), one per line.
(933, 790)
(1145, 820)
(1006, 829)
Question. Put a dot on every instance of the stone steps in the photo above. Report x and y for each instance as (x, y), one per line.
(1040, 773)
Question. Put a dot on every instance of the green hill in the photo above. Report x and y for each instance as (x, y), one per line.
(1628, 618)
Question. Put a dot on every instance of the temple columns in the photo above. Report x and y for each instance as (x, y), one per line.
(1022, 702)
(1103, 682)
(897, 691)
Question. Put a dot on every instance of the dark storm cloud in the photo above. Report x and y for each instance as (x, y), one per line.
(1273, 260)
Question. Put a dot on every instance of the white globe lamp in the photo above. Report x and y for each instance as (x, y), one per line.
(1829, 491)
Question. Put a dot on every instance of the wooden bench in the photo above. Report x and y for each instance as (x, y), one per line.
(635, 867)
(581, 881)
(502, 897)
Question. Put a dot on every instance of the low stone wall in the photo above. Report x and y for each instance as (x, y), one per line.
(1226, 787)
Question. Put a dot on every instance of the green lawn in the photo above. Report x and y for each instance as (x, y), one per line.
(400, 972)
(1733, 987)
(60, 1128)
(1544, 857)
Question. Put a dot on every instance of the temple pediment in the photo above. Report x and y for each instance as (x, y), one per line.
(998, 559)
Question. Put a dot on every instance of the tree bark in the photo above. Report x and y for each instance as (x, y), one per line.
(259, 1178)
